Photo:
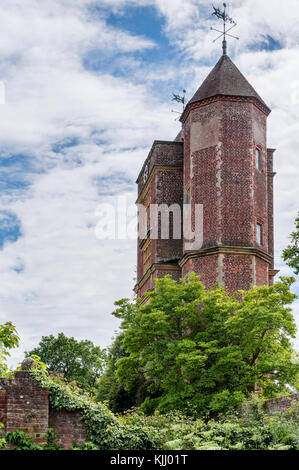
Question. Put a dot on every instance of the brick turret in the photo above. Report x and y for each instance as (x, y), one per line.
(226, 168)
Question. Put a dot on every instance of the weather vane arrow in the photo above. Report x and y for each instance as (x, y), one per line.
(222, 15)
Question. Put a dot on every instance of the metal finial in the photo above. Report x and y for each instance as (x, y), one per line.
(226, 19)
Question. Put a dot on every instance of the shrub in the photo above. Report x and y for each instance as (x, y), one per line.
(2, 439)
(249, 428)
(105, 430)
(23, 442)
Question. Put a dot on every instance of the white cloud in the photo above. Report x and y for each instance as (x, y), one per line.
(70, 278)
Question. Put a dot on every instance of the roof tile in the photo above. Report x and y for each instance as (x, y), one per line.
(225, 79)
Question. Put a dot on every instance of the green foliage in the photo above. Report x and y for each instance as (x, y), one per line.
(76, 360)
(204, 351)
(23, 442)
(2, 439)
(39, 364)
(109, 390)
(52, 443)
(250, 428)
(291, 253)
(9, 339)
(86, 446)
(104, 429)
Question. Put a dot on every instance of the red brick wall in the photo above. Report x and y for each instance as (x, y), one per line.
(222, 175)
(237, 272)
(24, 406)
(283, 403)
(165, 187)
(163, 153)
(68, 427)
(158, 273)
(169, 190)
(147, 287)
(237, 175)
(205, 266)
(204, 191)
(261, 272)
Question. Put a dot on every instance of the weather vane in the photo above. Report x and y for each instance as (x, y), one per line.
(179, 99)
(222, 15)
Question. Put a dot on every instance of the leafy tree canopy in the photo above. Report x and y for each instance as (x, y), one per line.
(205, 351)
(76, 360)
(291, 253)
(8, 339)
(109, 390)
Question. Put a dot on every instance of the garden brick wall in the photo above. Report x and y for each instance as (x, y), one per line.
(281, 404)
(24, 406)
(68, 427)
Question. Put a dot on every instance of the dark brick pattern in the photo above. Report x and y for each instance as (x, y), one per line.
(282, 403)
(164, 183)
(24, 406)
(238, 272)
(161, 154)
(68, 427)
(206, 267)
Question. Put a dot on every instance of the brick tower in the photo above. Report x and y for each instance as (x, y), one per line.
(220, 160)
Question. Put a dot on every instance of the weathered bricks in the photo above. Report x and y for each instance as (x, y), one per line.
(282, 403)
(24, 406)
(68, 427)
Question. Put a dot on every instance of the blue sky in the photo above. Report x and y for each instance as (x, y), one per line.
(88, 88)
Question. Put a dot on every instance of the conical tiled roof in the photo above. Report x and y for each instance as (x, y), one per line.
(227, 80)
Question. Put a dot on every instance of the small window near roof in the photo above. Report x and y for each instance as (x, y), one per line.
(258, 159)
(259, 234)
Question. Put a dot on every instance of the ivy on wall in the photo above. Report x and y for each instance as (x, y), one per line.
(103, 427)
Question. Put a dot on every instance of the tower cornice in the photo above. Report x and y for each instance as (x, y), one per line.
(239, 99)
(217, 250)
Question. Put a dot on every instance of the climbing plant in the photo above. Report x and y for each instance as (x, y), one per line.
(104, 428)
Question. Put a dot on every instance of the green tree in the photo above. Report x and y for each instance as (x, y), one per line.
(204, 351)
(76, 360)
(108, 389)
(291, 253)
(9, 339)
